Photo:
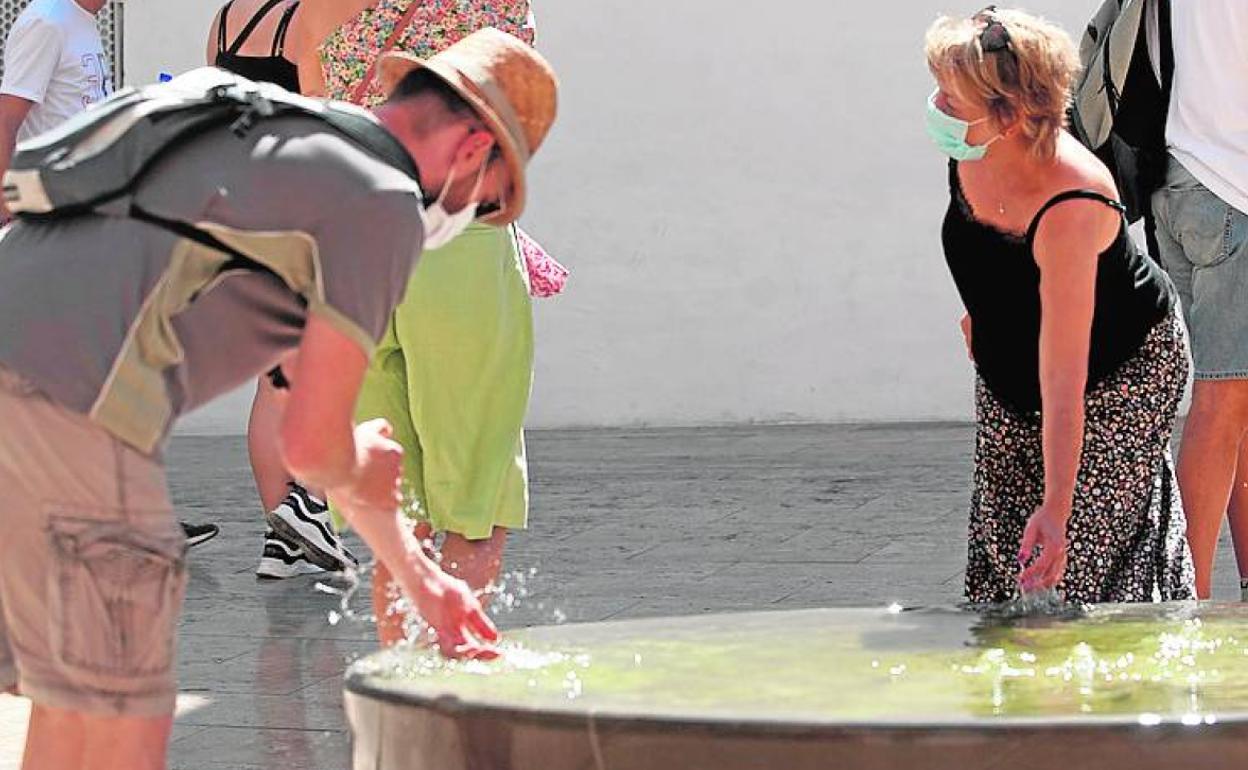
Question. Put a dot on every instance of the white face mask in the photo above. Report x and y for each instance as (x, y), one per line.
(442, 227)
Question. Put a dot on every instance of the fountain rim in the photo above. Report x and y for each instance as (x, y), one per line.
(367, 685)
(452, 706)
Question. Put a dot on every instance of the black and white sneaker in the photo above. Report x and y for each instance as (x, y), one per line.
(303, 520)
(198, 534)
(282, 560)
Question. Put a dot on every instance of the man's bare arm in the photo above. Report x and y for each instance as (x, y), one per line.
(13, 111)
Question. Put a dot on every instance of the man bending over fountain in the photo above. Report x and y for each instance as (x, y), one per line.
(112, 326)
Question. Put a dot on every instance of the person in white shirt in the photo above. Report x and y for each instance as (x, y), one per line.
(1202, 233)
(54, 67)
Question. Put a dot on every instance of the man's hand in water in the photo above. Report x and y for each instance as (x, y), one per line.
(1042, 555)
(448, 606)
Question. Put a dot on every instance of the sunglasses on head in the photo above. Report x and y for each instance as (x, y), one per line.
(994, 37)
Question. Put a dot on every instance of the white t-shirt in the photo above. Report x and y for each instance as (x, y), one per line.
(1207, 130)
(55, 58)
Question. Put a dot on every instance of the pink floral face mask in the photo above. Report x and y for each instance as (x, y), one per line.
(546, 276)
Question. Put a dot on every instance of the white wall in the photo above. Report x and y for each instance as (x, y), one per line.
(747, 201)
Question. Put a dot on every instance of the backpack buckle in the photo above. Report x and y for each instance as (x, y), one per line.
(256, 108)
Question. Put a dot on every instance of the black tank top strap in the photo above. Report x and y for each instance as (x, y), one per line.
(251, 25)
(221, 35)
(1068, 195)
(283, 27)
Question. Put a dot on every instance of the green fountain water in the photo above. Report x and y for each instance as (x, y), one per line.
(1153, 664)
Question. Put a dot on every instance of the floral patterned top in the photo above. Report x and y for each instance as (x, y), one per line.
(349, 53)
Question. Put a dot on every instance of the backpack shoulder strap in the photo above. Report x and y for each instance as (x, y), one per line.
(1062, 197)
(1167, 48)
(238, 260)
(252, 24)
(373, 138)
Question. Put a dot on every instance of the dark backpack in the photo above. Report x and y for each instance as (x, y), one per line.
(1120, 107)
(94, 162)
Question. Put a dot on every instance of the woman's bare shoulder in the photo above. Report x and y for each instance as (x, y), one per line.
(321, 17)
(1079, 169)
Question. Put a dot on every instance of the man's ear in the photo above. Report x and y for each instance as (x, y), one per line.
(475, 148)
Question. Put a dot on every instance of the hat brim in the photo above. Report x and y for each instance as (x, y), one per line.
(392, 67)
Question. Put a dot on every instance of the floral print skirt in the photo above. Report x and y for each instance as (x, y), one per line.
(1127, 533)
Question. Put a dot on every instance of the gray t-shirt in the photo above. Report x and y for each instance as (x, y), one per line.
(132, 325)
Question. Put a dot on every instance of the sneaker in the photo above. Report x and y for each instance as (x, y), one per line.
(197, 534)
(281, 560)
(303, 520)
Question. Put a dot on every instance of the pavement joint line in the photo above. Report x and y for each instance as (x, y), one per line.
(621, 610)
(644, 551)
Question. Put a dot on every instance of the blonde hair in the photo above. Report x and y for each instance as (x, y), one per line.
(1030, 82)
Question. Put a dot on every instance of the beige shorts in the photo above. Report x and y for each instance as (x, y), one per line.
(92, 563)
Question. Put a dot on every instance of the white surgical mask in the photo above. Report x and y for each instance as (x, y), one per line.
(949, 133)
(442, 227)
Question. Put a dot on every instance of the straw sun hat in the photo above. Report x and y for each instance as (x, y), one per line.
(508, 83)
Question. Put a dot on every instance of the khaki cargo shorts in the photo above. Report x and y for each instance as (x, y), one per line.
(92, 563)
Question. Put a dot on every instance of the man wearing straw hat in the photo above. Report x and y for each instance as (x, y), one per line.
(97, 361)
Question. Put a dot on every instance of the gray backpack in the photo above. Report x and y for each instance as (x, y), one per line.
(94, 162)
(1120, 105)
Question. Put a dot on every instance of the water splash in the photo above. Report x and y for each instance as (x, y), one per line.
(1040, 604)
(512, 592)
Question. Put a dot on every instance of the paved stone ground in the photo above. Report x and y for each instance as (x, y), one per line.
(625, 524)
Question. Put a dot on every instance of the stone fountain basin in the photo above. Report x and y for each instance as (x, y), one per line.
(1138, 686)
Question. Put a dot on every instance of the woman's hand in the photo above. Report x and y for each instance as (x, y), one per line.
(1042, 554)
(966, 335)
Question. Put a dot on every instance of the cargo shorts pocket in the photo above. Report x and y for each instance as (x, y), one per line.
(115, 594)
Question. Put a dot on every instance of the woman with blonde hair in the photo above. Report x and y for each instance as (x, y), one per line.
(1080, 359)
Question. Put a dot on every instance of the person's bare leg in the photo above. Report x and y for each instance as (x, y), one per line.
(55, 738)
(127, 743)
(385, 592)
(476, 562)
(263, 447)
(60, 739)
(1212, 438)
(1238, 512)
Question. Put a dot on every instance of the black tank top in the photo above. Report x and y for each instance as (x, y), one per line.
(274, 68)
(997, 276)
